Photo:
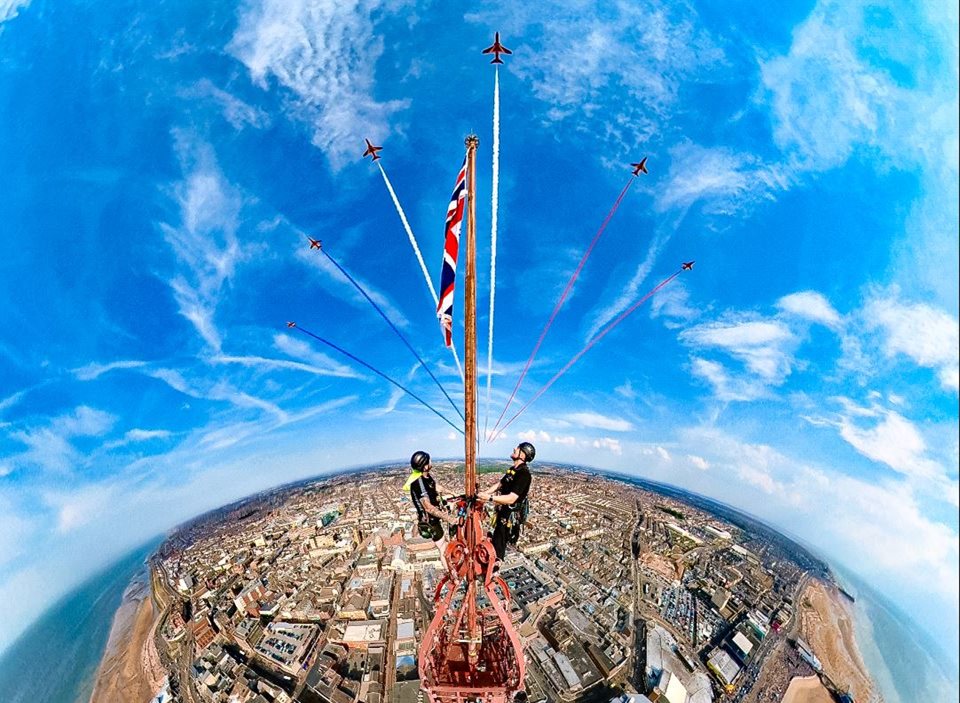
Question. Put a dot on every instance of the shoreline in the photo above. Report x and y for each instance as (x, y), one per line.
(129, 670)
(827, 625)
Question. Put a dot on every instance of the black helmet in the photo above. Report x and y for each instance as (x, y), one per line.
(528, 450)
(419, 460)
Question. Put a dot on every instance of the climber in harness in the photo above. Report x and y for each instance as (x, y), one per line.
(426, 499)
(509, 496)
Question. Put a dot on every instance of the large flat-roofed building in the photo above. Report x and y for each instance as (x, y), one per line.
(287, 644)
(363, 634)
(742, 645)
(714, 532)
(566, 670)
(669, 689)
(677, 530)
(724, 667)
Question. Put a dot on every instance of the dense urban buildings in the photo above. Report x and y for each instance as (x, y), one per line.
(620, 590)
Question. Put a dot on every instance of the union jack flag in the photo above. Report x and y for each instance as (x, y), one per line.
(451, 247)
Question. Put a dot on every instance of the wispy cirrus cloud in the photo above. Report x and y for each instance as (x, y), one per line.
(306, 353)
(94, 370)
(324, 53)
(852, 83)
(597, 421)
(49, 446)
(266, 363)
(886, 437)
(724, 181)
(726, 386)
(642, 53)
(10, 9)
(205, 239)
(317, 261)
(238, 113)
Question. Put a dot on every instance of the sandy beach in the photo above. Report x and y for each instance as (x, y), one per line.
(826, 623)
(130, 670)
(807, 689)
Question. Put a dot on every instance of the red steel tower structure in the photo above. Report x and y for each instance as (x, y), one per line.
(471, 651)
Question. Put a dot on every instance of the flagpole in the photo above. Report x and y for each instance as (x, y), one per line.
(470, 391)
(470, 326)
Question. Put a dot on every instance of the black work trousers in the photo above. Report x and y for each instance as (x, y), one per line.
(500, 536)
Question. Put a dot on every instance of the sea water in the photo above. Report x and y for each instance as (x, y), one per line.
(56, 659)
(906, 664)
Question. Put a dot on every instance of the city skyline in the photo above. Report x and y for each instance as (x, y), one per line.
(804, 371)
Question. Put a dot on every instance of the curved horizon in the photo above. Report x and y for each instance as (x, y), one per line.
(164, 168)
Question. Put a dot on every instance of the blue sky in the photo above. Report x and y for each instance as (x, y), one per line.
(160, 169)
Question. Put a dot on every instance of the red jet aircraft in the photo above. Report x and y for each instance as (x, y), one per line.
(314, 243)
(371, 150)
(291, 324)
(642, 166)
(496, 49)
(687, 265)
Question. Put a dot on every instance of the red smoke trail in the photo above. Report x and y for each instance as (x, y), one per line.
(563, 297)
(600, 335)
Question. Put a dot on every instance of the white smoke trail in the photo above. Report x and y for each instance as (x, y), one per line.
(413, 240)
(416, 250)
(494, 207)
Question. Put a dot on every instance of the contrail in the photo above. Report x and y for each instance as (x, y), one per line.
(576, 357)
(416, 250)
(494, 206)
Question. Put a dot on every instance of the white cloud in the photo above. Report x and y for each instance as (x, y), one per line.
(238, 113)
(93, 371)
(137, 435)
(600, 422)
(664, 454)
(534, 436)
(324, 264)
(930, 337)
(698, 461)
(764, 346)
(13, 532)
(11, 8)
(300, 349)
(205, 241)
(830, 99)
(893, 441)
(325, 54)
(11, 400)
(84, 422)
(49, 446)
(642, 53)
(608, 443)
(725, 181)
(876, 526)
(725, 386)
(331, 369)
(810, 305)
(672, 303)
